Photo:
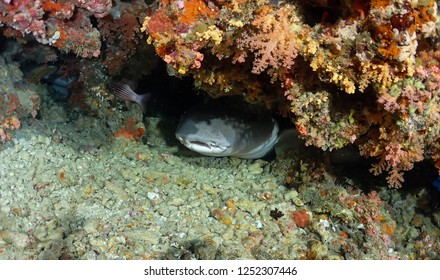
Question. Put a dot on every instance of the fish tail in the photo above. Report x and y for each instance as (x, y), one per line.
(143, 101)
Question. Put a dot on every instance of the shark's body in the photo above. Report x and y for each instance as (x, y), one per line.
(220, 133)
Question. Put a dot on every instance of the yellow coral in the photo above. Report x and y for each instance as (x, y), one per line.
(310, 46)
(212, 33)
(182, 70)
(348, 85)
(338, 78)
(236, 23)
(144, 27)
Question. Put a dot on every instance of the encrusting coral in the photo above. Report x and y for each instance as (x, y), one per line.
(70, 25)
(18, 98)
(365, 72)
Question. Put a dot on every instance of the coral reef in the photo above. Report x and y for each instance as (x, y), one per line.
(65, 25)
(18, 98)
(363, 75)
(69, 25)
(365, 72)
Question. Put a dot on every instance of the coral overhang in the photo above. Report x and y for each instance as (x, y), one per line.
(366, 73)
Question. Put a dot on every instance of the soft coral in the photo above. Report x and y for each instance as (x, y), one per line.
(130, 132)
(272, 41)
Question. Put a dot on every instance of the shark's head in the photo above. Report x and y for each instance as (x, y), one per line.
(206, 134)
(216, 133)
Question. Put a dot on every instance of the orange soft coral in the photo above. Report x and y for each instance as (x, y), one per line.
(130, 132)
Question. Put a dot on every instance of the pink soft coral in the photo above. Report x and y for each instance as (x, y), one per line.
(273, 41)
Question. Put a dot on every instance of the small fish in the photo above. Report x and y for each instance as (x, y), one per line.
(37, 74)
(124, 92)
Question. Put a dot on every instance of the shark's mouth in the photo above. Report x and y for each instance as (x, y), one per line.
(211, 149)
(198, 143)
